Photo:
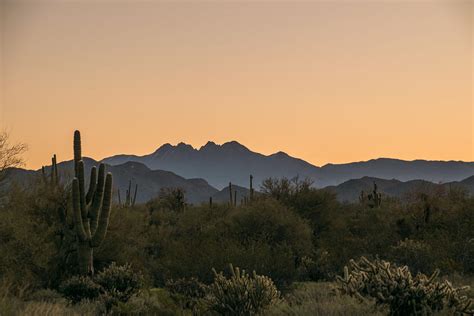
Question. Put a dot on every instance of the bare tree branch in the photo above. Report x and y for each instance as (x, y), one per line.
(10, 154)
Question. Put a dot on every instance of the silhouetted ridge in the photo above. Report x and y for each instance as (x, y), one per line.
(233, 162)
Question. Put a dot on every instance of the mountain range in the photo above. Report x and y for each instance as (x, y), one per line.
(350, 190)
(207, 171)
(150, 182)
(233, 162)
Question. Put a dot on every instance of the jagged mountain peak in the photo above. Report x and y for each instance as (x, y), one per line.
(234, 145)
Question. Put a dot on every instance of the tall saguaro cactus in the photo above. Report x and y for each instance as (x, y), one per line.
(91, 210)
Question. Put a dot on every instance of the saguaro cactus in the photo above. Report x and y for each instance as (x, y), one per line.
(54, 173)
(91, 210)
(231, 200)
(129, 198)
(251, 187)
(373, 199)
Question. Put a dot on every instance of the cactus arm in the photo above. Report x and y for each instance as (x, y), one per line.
(101, 231)
(81, 233)
(97, 199)
(54, 171)
(80, 178)
(92, 185)
(135, 195)
(82, 199)
(129, 193)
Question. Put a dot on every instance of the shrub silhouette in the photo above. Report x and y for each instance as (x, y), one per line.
(187, 292)
(80, 288)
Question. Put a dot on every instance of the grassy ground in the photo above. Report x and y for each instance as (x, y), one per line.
(308, 298)
(311, 298)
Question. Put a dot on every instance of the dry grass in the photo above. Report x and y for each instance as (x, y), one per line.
(318, 299)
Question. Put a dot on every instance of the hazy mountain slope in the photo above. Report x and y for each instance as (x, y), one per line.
(385, 168)
(233, 162)
(350, 190)
(220, 164)
(223, 196)
(149, 181)
(198, 190)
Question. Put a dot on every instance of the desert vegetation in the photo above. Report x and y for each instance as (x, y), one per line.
(289, 249)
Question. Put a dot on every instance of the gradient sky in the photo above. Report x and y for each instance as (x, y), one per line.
(332, 81)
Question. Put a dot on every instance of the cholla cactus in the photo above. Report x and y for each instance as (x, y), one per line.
(91, 210)
(241, 294)
(403, 293)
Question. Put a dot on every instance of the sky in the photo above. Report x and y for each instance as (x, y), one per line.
(325, 81)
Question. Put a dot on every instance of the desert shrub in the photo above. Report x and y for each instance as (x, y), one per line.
(30, 236)
(120, 282)
(241, 294)
(190, 287)
(396, 288)
(149, 302)
(80, 288)
(129, 247)
(417, 255)
(188, 292)
(263, 236)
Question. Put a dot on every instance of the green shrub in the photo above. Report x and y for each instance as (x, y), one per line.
(396, 288)
(190, 287)
(187, 292)
(417, 255)
(241, 294)
(80, 288)
(149, 302)
(263, 236)
(120, 282)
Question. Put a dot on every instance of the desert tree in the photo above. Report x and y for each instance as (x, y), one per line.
(10, 155)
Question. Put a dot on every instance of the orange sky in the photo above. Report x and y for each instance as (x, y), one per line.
(332, 81)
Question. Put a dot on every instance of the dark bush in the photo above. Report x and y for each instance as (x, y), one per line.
(190, 287)
(80, 288)
(263, 236)
(187, 292)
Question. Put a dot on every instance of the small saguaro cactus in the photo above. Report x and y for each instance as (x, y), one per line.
(91, 210)
(376, 196)
(373, 199)
(54, 173)
(231, 200)
(129, 199)
(251, 187)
